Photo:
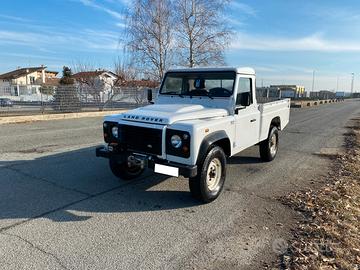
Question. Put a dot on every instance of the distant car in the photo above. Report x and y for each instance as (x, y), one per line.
(6, 102)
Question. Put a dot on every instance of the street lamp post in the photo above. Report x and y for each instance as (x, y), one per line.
(313, 82)
(352, 82)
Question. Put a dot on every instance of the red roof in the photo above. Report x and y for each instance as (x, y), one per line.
(20, 72)
(90, 74)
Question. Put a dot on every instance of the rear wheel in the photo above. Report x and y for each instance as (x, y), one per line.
(209, 182)
(125, 170)
(269, 148)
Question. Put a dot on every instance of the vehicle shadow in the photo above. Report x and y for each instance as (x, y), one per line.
(65, 187)
(244, 160)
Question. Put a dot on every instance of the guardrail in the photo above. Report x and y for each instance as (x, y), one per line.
(309, 103)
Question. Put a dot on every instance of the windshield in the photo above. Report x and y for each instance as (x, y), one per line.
(211, 84)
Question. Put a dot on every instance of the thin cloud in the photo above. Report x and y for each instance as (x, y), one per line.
(87, 40)
(235, 22)
(248, 10)
(336, 14)
(26, 56)
(121, 25)
(126, 2)
(308, 43)
(14, 18)
(94, 5)
(284, 68)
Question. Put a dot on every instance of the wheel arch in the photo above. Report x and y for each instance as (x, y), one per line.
(275, 122)
(218, 138)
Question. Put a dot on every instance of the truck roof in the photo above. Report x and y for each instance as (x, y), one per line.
(241, 70)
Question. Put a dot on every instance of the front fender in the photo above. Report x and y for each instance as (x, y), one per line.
(208, 141)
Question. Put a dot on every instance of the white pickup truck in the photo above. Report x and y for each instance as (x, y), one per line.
(201, 117)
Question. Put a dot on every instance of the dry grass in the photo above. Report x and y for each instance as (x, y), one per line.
(328, 236)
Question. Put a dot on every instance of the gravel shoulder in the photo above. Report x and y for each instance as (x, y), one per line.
(327, 235)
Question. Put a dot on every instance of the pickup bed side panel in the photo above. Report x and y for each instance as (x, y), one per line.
(271, 110)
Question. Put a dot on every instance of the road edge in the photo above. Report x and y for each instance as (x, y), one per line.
(60, 116)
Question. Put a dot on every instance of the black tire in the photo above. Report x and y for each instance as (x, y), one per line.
(198, 185)
(267, 148)
(123, 171)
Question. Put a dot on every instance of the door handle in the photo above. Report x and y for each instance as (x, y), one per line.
(252, 120)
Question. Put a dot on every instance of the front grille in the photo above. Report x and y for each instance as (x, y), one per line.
(140, 139)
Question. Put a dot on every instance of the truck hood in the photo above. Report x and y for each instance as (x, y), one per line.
(169, 113)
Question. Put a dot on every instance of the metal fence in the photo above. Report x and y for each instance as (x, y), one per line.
(71, 99)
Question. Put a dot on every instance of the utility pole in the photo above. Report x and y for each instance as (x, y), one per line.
(313, 82)
(337, 83)
(352, 82)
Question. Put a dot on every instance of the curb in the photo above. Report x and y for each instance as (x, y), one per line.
(309, 103)
(60, 116)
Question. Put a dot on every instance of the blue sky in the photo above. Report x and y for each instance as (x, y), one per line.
(283, 40)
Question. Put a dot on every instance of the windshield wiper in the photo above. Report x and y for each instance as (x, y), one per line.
(209, 95)
(203, 94)
(174, 93)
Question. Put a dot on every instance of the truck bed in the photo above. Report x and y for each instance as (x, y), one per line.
(269, 111)
(262, 100)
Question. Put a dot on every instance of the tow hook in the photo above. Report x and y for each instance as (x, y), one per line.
(133, 160)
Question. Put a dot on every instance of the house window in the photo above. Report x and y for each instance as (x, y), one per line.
(16, 92)
(32, 80)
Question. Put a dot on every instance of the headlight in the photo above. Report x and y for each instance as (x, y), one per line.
(115, 131)
(176, 141)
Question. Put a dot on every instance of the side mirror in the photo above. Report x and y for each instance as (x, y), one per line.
(245, 99)
(149, 96)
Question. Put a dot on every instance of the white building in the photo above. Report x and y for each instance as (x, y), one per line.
(95, 85)
(23, 84)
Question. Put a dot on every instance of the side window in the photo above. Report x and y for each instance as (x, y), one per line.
(244, 91)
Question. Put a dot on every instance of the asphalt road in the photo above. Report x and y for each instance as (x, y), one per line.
(61, 208)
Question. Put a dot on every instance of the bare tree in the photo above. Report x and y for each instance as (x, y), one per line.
(202, 35)
(149, 30)
(130, 86)
(124, 69)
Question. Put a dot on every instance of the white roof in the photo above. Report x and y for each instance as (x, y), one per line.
(241, 70)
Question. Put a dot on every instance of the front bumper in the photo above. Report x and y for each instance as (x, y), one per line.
(103, 151)
(184, 170)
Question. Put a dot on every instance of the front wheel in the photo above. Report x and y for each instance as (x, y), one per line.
(269, 148)
(209, 182)
(125, 170)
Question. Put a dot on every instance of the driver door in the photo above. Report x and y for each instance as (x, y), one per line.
(247, 115)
